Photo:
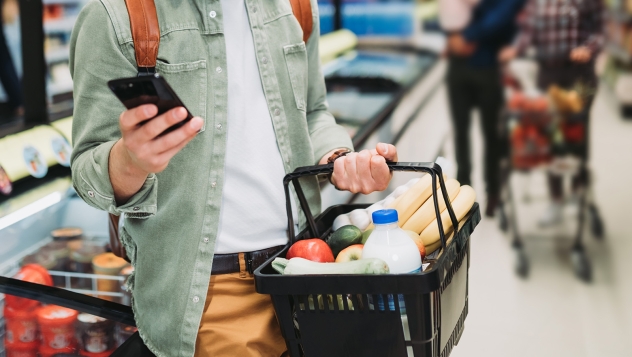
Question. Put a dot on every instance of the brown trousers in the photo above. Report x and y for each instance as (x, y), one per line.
(237, 321)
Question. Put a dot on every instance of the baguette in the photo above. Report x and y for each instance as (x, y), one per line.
(410, 201)
(461, 206)
(426, 213)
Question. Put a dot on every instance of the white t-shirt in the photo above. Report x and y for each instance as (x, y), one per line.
(253, 213)
(455, 15)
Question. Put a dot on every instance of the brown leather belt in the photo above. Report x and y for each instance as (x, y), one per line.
(229, 263)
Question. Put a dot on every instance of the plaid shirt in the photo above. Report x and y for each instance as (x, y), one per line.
(555, 27)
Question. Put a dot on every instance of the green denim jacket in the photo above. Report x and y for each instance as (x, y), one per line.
(171, 224)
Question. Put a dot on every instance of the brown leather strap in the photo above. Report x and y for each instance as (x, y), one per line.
(145, 31)
(302, 10)
(115, 243)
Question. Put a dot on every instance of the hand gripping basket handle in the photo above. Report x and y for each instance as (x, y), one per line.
(428, 167)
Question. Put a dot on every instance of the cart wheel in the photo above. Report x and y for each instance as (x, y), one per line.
(596, 224)
(581, 264)
(522, 263)
(503, 222)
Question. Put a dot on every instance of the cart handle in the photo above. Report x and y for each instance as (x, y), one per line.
(427, 167)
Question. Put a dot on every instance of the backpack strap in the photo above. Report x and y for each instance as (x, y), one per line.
(302, 10)
(145, 33)
(146, 29)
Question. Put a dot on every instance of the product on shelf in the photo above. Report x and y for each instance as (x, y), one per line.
(81, 262)
(57, 328)
(67, 233)
(19, 350)
(21, 329)
(123, 333)
(61, 254)
(32, 273)
(45, 351)
(95, 334)
(108, 264)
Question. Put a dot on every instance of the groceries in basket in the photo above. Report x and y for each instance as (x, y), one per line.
(397, 232)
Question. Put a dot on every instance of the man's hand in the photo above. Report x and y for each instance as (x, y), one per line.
(581, 54)
(141, 151)
(458, 46)
(365, 171)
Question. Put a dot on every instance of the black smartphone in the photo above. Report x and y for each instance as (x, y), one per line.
(154, 89)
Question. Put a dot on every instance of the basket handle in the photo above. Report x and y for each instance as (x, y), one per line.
(428, 167)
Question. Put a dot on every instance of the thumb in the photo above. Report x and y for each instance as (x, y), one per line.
(388, 151)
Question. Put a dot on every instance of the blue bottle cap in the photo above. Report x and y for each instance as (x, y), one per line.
(385, 216)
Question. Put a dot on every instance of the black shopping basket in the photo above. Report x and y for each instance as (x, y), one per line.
(335, 315)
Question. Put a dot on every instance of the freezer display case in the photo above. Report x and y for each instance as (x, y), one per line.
(376, 93)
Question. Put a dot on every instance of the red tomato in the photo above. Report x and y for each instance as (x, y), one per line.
(313, 249)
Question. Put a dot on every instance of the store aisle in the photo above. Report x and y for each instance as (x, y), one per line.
(552, 313)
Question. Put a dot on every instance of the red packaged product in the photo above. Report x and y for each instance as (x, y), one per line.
(20, 349)
(45, 351)
(32, 273)
(21, 328)
(57, 327)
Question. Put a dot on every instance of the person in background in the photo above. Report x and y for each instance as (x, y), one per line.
(566, 35)
(8, 74)
(476, 34)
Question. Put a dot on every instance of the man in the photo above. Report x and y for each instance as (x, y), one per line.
(210, 191)
(474, 81)
(567, 36)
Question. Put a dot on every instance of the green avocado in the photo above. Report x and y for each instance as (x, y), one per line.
(344, 237)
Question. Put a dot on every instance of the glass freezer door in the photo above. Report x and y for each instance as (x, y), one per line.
(39, 320)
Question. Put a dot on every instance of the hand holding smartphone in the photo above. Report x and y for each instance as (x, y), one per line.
(154, 89)
(150, 134)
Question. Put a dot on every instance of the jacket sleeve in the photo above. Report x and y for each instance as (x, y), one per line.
(493, 22)
(326, 135)
(95, 58)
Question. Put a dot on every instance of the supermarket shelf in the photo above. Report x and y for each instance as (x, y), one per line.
(62, 25)
(58, 55)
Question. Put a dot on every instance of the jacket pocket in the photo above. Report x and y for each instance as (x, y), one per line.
(296, 61)
(189, 81)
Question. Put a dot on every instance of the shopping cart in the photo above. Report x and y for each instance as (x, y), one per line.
(335, 315)
(542, 134)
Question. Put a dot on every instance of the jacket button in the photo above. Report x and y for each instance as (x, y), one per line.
(213, 184)
(219, 126)
(136, 208)
(218, 69)
(90, 193)
(206, 240)
(264, 60)
(212, 14)
(196, 299)
(277, 112)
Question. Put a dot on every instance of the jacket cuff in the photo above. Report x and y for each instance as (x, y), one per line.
(92, 183)
(328, 138)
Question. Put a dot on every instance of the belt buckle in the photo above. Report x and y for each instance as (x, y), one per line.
(248, 258)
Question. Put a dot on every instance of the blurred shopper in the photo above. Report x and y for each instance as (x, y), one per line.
(8, 74)
(566, 35)
(476, 34)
